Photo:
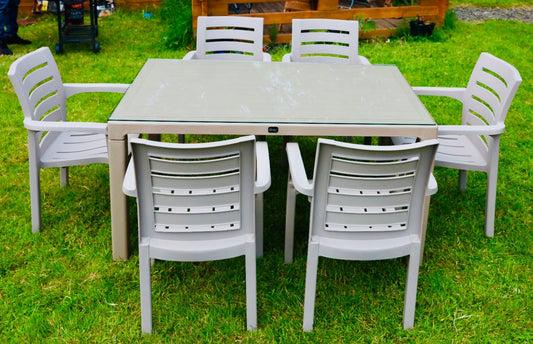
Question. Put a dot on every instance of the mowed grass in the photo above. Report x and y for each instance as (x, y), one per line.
(61, 285)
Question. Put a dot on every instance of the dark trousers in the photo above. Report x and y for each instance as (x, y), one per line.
(8, 18)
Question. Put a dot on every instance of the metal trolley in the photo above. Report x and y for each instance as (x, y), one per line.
(70, 24)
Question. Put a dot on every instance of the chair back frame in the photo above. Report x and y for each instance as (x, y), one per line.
(324, 40)
(195, 191)
(366, 192)
(229, 38)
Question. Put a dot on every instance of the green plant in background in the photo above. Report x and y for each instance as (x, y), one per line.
(449, 20)
(177, 18)
(365, 24)
(397, 3)
(403, 30)
(273, 31)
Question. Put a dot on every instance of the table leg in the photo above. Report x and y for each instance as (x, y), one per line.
(119, 210)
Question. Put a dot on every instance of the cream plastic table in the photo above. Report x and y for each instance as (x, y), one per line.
(261, 98)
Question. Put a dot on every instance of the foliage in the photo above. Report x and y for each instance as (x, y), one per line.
(61, 285)
(449, 20)
(177, 18)
(397, 3)
(365, 24)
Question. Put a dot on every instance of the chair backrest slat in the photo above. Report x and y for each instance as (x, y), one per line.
(490, 90)
(36, 78)
(367, 191)
(325, 40)
(229, 37)
(190, 192)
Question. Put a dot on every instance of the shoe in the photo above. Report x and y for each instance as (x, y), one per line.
(16, 40)
(4, 50)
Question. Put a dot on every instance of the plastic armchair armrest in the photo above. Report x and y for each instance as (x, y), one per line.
(267, 57)
(72, 89)
(129, 186)
(433, 187)
(297, 170)
(363, 60)
(263, 168)
(451, 92)
(90, 127)
(286, 58)
(494, 129)
(189, 55)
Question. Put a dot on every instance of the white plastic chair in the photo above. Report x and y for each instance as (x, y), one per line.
(52, 141)
(326, 41)
(292, 192)
(475, 144)
(229, 38)
(366, 204)
(196, 203)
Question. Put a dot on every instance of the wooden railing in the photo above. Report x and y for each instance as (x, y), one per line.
(433, 10)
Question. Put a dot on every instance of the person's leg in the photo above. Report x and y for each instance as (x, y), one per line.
(10, 34)
(4, 4)
(11, 21)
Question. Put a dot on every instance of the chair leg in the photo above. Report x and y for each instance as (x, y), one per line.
(462, 180)
(63, 176)
(410, 289)
(146, 288)
(289, 222)
(425, 215)
(310, 286)
(35, 181)
(259, 224)
(35, 195)
(490, 207)
(251, 287)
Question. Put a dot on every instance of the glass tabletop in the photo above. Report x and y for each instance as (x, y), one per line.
(262, 92)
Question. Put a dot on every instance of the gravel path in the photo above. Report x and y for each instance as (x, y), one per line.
(524, 14)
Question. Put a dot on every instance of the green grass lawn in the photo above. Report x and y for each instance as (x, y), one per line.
(61, 285)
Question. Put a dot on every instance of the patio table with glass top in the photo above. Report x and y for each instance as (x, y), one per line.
(260, 98)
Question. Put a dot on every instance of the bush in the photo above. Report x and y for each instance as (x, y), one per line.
(177, 17)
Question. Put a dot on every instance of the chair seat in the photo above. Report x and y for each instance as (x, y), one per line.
(456, 151)
(198, 251)
(366, 249)
(75, 148)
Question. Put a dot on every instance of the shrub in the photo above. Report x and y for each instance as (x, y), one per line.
(177, 17)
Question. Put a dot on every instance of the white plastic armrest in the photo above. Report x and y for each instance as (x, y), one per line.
(363, 60)
(286, 58)
(263, 167)
(72, 89)
(267, 57)
(189, 55)
(89, 127)
(297, 170)
(129, 186)
(451, 92)
(432, 186)
(494, 129)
